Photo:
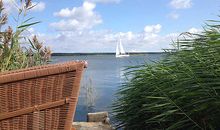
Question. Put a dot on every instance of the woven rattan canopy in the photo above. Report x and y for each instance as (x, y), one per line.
(40, 98)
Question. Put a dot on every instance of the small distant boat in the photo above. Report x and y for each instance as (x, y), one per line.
(120, 52)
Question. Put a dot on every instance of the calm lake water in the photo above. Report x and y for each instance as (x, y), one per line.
(101, 79)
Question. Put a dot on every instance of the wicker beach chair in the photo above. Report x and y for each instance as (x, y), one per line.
(40, 98)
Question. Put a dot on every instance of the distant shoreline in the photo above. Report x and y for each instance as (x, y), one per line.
(105, 53)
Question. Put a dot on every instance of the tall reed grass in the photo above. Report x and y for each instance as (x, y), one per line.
(181, 92)
(13, 53)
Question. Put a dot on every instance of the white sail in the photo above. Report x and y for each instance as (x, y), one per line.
(117, 50)
(122, 51)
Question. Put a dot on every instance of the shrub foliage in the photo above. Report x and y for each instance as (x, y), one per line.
(180, 92)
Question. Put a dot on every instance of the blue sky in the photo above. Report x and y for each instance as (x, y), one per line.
(95, 25)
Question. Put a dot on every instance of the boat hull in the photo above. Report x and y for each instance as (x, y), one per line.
(121, 56)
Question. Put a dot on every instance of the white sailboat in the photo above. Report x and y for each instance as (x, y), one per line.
(120, 52)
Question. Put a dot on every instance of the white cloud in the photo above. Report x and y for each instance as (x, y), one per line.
(12, 5)
(173, 15)
(126, 35)
(8, 5)
(31, 30)
(104, 1)
(39, 6)
(194, 30)
(181, 4)
(105, 40)
(77, 18)
(152, 28)
(7, 1)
